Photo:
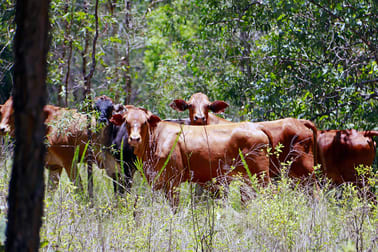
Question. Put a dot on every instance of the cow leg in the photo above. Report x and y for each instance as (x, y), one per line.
(53, 177)
(118, 187)
(113, 170)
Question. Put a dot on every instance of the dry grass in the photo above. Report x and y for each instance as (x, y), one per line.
(284, 216)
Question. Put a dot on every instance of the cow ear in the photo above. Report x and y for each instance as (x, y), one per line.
(117, 119)
(153, 120)
(179, 105)
(218, 106)
(118, 108)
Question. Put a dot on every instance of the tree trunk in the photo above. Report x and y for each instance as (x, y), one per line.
(245, 61)
(87, 92)
(126, 60)
(26, 189)
(87, 84)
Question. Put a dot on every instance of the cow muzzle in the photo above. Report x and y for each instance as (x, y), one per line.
(199, 120)
(134, 140)
(4, 129)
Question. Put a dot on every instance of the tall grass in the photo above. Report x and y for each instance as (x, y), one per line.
(283, 216)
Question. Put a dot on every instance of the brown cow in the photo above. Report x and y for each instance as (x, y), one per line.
(7, 119)
(66, 131)
(199, 106)
(340, 151)
(298, 137)
(193, 153)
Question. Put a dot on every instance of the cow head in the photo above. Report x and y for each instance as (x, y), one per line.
(104, 105)
(199, 106)
(7, 117)
(138, 123)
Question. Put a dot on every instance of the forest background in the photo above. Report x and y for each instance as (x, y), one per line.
(268, 59)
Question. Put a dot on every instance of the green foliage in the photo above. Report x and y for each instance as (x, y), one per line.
(7, 31)
(271, 59)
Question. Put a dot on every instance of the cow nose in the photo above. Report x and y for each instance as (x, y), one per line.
(199, 118)
(2, 128)
(134, 139)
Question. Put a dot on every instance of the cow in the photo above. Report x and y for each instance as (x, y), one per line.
(340, 151)
(199, 107)
(297, 136)
(174, 153)
(7, 119)
(115, 139)
(66, 131)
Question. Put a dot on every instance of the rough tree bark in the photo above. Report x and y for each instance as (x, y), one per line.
(26, 187)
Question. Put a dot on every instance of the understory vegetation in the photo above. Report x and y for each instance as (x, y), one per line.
(283, 216)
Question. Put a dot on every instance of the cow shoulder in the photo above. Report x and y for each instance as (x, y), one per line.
(167, 137)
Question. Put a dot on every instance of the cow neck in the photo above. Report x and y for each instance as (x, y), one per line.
(145, 148)
(105, 135)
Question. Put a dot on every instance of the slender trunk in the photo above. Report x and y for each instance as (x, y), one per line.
(87, 83)
(68, 74)
(62, 58)
(115, 30)
(68, 37)
(111, 6)
(26, 189)
(126, 60)
(245, 60)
